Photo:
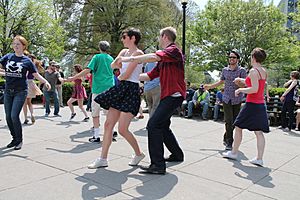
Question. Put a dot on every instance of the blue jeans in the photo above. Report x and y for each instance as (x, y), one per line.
(159, 132)
(13, 103)
(191, 106)
(216, 111)
(47, 95)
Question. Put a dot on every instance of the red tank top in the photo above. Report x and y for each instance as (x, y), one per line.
(257, 97)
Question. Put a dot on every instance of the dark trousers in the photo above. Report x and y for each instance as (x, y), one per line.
(13, 104)
(288, 106)
(159, 132)
(89, 103)
(230, 114)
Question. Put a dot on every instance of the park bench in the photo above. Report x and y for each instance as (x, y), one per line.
(274, 107)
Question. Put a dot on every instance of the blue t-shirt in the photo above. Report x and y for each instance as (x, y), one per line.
(219, 96)
(149, 85)
(16, 69)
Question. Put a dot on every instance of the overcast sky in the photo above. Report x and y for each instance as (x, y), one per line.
(202, 3)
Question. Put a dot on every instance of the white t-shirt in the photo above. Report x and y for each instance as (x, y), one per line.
(135, 74)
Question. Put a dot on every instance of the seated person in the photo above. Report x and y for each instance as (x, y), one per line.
(200, 98)
(218, 104)
(189, 96)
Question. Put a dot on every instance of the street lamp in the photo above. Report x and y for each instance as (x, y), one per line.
(184, 3)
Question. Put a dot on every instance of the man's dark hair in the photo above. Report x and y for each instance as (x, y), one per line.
(235, 52)
(133, 32)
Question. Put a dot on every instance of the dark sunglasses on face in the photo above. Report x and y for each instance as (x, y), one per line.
(233, 57)
(123, 37)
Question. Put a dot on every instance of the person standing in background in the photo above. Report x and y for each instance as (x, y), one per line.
(289, 99)
(152, 90)
(52, 76)
(59, 86)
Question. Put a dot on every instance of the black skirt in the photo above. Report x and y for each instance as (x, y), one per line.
(124, 97)
(253, 117)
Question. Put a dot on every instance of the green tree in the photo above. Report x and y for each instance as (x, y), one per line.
(33, 20)
(95, 20)
(243, 25)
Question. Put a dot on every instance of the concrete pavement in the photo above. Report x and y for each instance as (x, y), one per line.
(53, 164)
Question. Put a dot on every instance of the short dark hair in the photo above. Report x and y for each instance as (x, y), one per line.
(235, 52)
(170, 32)
(259, 54)
(133, 32)
(295, 74)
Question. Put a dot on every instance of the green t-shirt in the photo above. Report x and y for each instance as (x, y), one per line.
(102, 73)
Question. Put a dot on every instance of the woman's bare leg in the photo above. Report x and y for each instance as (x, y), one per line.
(260, 144)
(112, 118)
(124, 122)
(238, 136)
(80, 105)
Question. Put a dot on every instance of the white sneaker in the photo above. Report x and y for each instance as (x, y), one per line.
(286, 129)
(296, 129)
(98, 163)
(254, 161)
(136, 159)
(229, 155)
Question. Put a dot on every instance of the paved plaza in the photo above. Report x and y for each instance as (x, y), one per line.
(52, 165)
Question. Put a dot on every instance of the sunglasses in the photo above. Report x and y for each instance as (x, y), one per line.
(233, 57)
(124, 37)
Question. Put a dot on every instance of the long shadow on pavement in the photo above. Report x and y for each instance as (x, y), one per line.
(255, 174)
(82, 146)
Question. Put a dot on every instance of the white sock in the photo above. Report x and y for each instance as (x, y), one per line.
(96, 132)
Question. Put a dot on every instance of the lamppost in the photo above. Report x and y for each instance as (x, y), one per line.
(184, 3)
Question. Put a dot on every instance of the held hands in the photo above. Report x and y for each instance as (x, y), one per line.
(206, 86)
(239, 82)
(237, 92)
(69, 79)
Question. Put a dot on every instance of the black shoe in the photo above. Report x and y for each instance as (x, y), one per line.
(86, 119)
(172, 158)
(152, 169)
(57, 115)
(12, 144)
(228, 147)
(93, 139)
(72, 116)
(18, 146)
(115, 134)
